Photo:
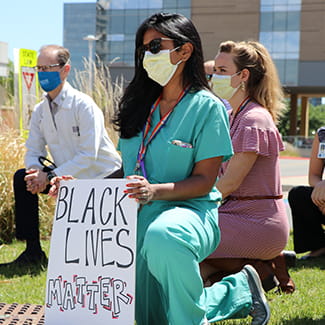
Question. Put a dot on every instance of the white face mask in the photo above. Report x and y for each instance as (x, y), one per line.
(159, 67)
(221, 85)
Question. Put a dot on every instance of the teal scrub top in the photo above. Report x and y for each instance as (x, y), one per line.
(200, 120)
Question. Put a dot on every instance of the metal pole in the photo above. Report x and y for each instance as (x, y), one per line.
(90, 39)
(90, 62)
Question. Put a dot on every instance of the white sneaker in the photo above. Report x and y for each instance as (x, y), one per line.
(260, 310)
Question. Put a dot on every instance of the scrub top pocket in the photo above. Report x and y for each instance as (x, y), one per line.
(179, 162)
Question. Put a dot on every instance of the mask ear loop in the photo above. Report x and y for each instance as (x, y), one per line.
(173, 50)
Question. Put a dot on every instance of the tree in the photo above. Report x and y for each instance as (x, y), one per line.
(316, 119)
(8, 84)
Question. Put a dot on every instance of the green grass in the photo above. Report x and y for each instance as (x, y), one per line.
(306, 306)
(22, 286)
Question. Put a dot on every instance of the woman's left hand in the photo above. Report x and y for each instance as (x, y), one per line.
(140, 189)
(55, 184)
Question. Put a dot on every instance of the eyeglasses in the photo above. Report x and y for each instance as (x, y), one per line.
(154, 46)
(47, 67)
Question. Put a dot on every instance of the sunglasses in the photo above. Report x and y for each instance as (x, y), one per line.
(153, 46)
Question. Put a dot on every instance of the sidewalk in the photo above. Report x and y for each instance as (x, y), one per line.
(294, 172)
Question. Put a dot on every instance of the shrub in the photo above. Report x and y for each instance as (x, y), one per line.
(105, 92)
(12, 151)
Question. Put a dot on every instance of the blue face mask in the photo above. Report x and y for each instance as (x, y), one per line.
(49, 80)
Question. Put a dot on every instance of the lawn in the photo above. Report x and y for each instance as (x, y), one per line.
(306, 306)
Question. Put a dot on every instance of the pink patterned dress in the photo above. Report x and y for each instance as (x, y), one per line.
(257, 229)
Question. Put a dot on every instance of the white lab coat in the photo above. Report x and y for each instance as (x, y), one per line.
(77, 140)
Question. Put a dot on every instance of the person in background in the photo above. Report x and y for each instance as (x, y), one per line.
(173, 137)
(209, 69)
(252, 218)
(71, 126)
(307, 204)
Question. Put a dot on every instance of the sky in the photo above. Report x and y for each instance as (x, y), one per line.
(30, 24)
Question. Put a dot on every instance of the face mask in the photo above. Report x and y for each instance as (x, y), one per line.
(49, 80)
(221, 85)
(159, 67)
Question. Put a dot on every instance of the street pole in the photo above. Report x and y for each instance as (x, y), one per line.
(90, 39)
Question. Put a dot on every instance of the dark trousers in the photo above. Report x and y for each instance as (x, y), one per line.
(26, 209)
(308, 233)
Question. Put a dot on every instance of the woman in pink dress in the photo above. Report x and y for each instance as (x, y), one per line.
(253, 221)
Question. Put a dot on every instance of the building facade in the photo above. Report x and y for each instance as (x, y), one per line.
(79, 20)
(292, 30)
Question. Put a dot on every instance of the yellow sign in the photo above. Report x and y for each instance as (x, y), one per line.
(27, 58)
(28, 90)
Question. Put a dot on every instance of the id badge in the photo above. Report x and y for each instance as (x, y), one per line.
(321, 150)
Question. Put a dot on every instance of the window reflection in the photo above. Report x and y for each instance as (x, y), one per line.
(280, 33)
(136, 4)
(280, 5)
(126, 15)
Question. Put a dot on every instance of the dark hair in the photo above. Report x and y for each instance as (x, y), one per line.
(142, 91)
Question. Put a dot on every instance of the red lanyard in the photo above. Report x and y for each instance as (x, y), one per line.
(144, 145)
(242, 105)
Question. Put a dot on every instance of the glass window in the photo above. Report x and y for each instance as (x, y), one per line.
(280, 21)
(115, 47)
(278, 55)
(170, 9)
(142, 15)
(169, 3)
(116, 22)
(155, 4)
(125, 16)
(280, 5)
(293, 21)
(266, 40)
(116, 37)
(266, 3)
(280, 65)
(117, 4)
(183, 3)
(291, 72)
(130, 21)
(294, 5)
(292, 55)
(129, 57)
(131, 4)
(128, 46)
(266, 21)
(185, 11)
(292, 42)
(281, 44)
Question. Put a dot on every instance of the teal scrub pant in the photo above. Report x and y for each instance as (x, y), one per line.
(172, 240)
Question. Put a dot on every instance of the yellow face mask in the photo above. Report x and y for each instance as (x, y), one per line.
(159, 67)
(221, 85)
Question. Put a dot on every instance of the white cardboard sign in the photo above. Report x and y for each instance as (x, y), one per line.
(91, 271)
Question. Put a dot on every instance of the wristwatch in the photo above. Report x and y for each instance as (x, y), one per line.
(50, 175)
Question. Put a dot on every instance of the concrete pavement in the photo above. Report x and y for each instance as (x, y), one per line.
(294, 172)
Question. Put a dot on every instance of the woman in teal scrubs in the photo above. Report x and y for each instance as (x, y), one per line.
(173, 137)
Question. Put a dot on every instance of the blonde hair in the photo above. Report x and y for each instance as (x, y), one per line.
(263, 84)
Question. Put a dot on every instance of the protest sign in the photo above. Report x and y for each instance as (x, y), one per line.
(91, 271)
